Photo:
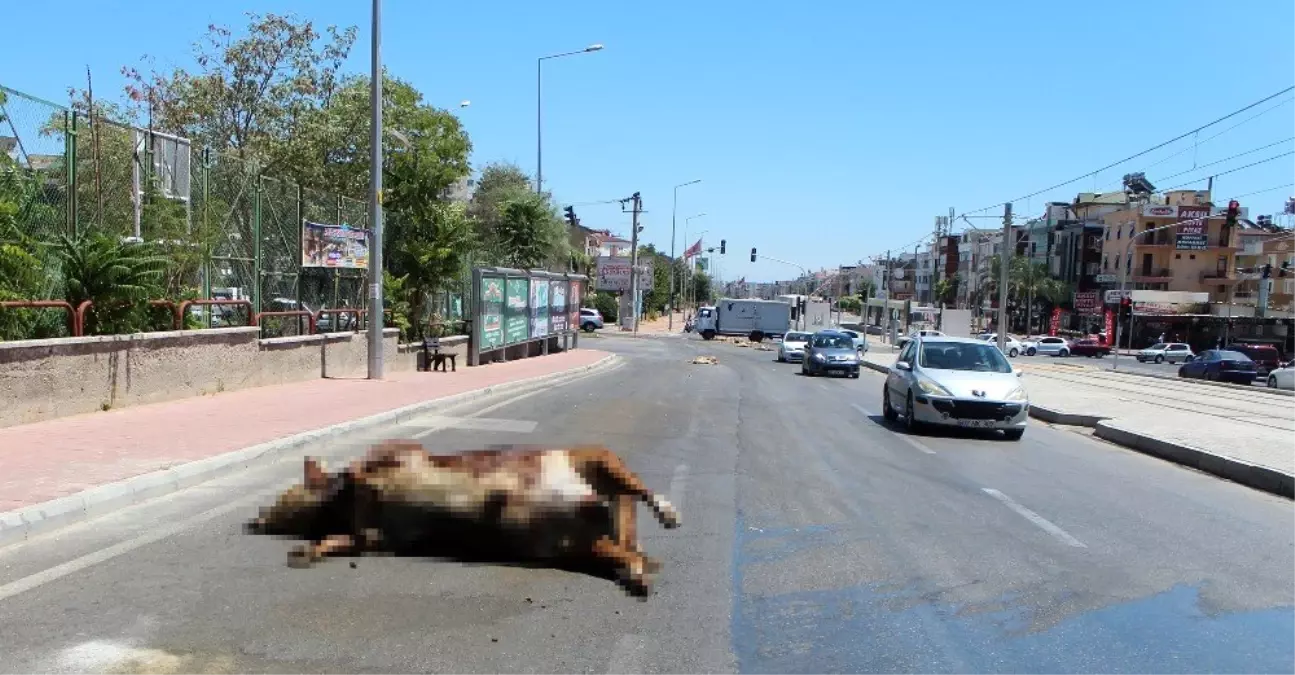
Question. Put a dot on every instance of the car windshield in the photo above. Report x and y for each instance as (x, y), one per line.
(1158, 345)
(796, 337)
(964, 356)
(1232, 356)
(832, 341)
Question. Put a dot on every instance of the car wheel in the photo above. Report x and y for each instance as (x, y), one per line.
(1272, 381)
(1063, 353)
(1212, 377)
(854, 375)
(1031, 351)
(910, 420)
(708, 334)
(1013, 434)
(887, 411)
(1014, 353)
(589, 326)
(755, 336)
(782, 359)
(1160, 359)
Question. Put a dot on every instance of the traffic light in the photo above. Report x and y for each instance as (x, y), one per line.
(1234, 212)
(571, 216)
(1126, 307)
(722, 244)
(752, 255)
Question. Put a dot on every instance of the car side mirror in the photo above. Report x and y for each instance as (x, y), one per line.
(903, 365)
(1019, 373)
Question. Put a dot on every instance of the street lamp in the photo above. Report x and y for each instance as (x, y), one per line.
(539, 145)
(674, 210)
(374, 360)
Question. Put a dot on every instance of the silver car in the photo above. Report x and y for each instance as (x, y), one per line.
(828, 352)
(957, 382)
(860, 341)
(793, 346)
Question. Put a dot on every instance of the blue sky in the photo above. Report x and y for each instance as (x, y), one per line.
(821, 136)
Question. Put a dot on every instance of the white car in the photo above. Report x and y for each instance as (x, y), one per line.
(903, 340)
(860, 342)
(958, 382)
(1282, 378)
(793, 347)
(1047, 344)
(1013, 346)
(1160, 352)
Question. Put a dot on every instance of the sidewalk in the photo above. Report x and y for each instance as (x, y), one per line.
(48, 460)
(1238, 434)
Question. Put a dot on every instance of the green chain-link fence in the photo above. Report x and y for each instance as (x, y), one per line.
(239, 232)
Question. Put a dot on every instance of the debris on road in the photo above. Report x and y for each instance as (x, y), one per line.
(706, 361)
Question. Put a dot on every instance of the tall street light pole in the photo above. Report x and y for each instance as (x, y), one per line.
(539, 143)
(674, 210)
(375, 200)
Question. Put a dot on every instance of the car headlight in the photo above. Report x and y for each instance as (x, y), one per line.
(931, 387)
(820, 357)
(1017, 394)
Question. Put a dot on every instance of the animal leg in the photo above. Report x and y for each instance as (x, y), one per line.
(310, 553)
(610, 476)
(630, 565)
(627, 523)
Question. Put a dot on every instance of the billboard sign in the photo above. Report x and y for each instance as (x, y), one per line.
(1192, 236)
(334, 246)
(1113, 296)
(539, 308)
(1088, 303)
(492, 312)
(558, 320)
(614, 274)
(515, 311)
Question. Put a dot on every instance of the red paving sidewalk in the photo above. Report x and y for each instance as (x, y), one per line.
(56, 458)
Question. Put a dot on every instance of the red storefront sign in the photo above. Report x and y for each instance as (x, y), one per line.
(1110, 328)
(1055, 324)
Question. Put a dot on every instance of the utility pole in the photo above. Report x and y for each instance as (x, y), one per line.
(375, 201)
(634, 260)
(1004, 262)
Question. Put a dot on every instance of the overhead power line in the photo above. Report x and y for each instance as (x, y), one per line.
(1224, 173)
(1139, 154)
(1225, 159)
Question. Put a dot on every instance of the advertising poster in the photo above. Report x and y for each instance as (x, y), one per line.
(1110, 328)
(1192, 234)
(1054, 324)
(335, 247)
(539, 308)
(573, 303)
(1088, 303)
(558, 306)
(492, 313)
(515, 314)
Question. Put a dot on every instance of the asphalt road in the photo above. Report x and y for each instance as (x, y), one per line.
(815, 539)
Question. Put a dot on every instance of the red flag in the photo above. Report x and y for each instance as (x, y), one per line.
(693, 250)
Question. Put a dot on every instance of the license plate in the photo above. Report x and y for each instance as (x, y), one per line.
(976, 424)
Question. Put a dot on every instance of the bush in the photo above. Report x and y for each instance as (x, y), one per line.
(607, 305)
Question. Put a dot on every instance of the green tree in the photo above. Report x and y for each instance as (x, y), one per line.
(119, 278)
(529, 233)
(426, 255)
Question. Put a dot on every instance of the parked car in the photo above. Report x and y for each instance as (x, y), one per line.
(1047, 344)
(958, 382)
(590, 319)
(1282, 378)
(1090, 347)
(903, 340)
(830, 351)
(1013, 346)
(1160, 352)
(793, 346)
(1266, 357)
(860, 342)
(1220, 365)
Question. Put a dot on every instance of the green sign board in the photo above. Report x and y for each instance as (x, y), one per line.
(515, 311)
(492, 312)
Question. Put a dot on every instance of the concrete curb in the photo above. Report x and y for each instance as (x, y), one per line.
(875, 366)
(32, 520)
(1250, 475)
(1054, 416)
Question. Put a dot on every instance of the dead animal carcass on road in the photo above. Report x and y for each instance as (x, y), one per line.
(571, 506)
(706, 361)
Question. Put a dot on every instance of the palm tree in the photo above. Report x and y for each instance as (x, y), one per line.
(1033, 280)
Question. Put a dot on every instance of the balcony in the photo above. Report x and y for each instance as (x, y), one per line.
(1217, 278)
(1153, 275)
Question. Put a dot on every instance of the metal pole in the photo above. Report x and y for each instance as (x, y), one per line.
(1004, 262)
(539, 144)
(674, 210)
(634, 263)
(375, 200)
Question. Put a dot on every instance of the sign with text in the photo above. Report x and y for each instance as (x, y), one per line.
(333, 246)
(558, 306)
(1088, 303)
(614, 274)
(515, 311)
(539, 308)
(1113, 296)
(1193, 231)
(574, 297)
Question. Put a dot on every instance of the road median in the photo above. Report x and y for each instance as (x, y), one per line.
(28, 520)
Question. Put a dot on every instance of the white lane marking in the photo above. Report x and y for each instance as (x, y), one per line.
(1035, 518)
(903, 437)
(38, 579)
(678, 487)
(627, 655)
